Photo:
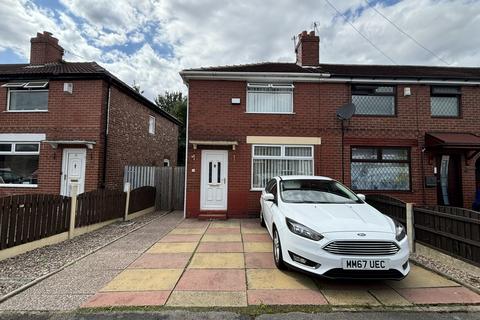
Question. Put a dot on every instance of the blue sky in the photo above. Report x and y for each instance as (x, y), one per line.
(150, 41)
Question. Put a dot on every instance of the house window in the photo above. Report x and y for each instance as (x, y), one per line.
(380, 168)
(166, 163)
(445, 101)
(374, 100)
(269, 98)
(269, 161)
(19, 164)
(151, 125)
(27, 96)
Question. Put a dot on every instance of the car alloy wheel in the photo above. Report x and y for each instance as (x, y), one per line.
(277, 251)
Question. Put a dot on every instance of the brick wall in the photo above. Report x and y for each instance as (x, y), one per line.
(74, 116)
(212, 117)
(129, 142)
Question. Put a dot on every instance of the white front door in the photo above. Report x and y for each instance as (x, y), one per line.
(73, 168)
(213, 190)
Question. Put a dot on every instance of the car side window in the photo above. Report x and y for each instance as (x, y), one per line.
(270, 184)
(274, 191)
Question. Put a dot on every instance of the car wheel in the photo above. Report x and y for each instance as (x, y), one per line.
(277, 251)
(262, 220)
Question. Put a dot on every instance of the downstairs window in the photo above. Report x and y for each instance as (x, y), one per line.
(19, 164)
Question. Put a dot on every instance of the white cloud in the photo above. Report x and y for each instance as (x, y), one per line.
(129, 37)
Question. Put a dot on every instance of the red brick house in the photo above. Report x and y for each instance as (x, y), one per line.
(74, 120)
(414, 134)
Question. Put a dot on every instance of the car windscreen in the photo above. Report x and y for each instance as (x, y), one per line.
(316, 191)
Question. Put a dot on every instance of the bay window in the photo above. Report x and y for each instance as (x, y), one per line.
(380, 168)
(269, 98)
(269, 161)
(19, 164)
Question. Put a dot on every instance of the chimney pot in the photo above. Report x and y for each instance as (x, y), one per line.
(45, 49)
(307, 49)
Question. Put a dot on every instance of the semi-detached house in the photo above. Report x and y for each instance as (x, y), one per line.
(62, 121)
(414, 134)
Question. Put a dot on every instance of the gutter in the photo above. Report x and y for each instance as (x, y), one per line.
(105, 132)
(312, 77)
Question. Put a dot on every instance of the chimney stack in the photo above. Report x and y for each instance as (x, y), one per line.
(307, 49)
(45, 49)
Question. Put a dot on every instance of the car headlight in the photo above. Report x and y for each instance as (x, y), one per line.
(302, 231)
(400, 231)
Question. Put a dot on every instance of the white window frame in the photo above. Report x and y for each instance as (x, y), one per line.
(269, 85)
(19, 153)
(151, 125)
(15, 90)
(281, 157)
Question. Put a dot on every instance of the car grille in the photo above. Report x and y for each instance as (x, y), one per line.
(391, 274)
(362, 248)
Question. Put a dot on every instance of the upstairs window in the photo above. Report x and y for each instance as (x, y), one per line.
(374, 100)
(445, 101)
(19, 164)
(27, 96)
(269, 98)
(151, 125)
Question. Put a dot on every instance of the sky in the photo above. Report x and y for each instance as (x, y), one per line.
(148, 42)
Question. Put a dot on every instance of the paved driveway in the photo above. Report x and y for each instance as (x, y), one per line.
(229, 264)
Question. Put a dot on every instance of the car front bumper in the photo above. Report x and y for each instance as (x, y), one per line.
(323, 263)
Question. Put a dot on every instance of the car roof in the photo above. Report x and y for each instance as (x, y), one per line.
(297, 177)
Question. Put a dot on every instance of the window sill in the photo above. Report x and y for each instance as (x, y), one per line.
(25, 111)
(280, 113)
(8, 185)
(257, 189)
(375, 115)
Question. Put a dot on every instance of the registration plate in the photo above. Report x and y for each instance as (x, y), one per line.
(365, 264)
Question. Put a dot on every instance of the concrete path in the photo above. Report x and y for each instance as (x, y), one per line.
(230, 264)
(73, 286)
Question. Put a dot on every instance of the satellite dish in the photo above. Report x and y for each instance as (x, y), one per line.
(346, 111)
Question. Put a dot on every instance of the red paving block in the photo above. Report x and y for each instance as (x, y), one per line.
(286, 296)
(440, 295)
(259, 260)
(161, 261)
(144, 298)
(220, 247)
(181, 238)
(252, 237)
(223, 230)
(193, 224)
(212, 280)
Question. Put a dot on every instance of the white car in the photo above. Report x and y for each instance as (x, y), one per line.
(320, 226)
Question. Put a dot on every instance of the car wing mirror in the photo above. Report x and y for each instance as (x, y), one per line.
(268, 197)
(361, 196)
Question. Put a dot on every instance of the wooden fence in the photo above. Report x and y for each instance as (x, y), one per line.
(168, 181)
(141, 199)
(451, 230)
(26, 218)
(99, 206)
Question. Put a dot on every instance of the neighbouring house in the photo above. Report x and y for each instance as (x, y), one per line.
(74, 120)
(414, 134)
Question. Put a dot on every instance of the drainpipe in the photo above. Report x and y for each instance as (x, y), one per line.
(105, 144)
(186, 153)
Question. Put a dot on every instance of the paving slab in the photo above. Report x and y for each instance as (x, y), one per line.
(188, 231)
(181, 238)
(258, 230)
(276, 279)
(259, 260)
(286, 297)
(212, 280)
(350, 297)
(440, 295)
(258, 246)
(179, 247)
(144, 280)
(389, 297)
(220, 247)
(207, 299)
(422, 278)
(231, 223)
(161, 261)
(256, 237)
(217, 261)
(231, 230)
(222, 237)
(192, 223)
(142, 298)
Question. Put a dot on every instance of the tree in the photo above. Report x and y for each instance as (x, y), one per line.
(175, 103)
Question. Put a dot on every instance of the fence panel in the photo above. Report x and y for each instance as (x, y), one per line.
(389, 206)
(25, 218)
(178, 188)
(451, 231)
(141, 198)
(139, 176)
(98, 206)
